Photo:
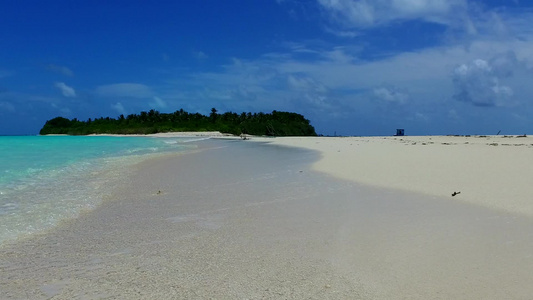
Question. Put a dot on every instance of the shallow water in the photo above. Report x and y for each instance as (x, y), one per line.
(47, 179)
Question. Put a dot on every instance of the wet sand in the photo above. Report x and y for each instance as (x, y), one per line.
(240, 220)
(490, 171)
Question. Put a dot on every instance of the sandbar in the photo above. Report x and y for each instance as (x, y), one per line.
(254, 220)
(492, 171)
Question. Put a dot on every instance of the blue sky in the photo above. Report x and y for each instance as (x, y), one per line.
(353, 67)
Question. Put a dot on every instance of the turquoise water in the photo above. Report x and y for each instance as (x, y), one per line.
(47, 179)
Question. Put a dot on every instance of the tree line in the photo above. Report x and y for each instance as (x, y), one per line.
(276, 123)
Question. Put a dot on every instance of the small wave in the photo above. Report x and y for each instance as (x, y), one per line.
(142, 150)
(195, 139)
(181, 140)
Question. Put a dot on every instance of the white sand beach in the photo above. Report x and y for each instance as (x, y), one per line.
(492, 171)
(250, 220)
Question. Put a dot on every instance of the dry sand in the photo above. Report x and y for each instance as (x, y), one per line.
(241, 220)
(492, 171)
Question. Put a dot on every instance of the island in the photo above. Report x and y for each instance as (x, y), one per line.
(277, 123)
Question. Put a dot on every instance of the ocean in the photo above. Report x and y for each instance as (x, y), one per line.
(45, 180)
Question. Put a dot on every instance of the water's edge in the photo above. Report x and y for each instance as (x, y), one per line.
(54, 182)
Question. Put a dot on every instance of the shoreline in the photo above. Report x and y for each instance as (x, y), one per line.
(174, 134)
(160, 134)
(487, 170)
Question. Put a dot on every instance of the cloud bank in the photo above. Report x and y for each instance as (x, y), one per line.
(480, 82)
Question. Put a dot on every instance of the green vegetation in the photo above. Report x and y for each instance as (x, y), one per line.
(274, 124)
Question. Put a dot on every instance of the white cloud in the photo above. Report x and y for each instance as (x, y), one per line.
(480, 81)
(369, 13)
(342, 33)
(338, 55)
(118, 107)
(302, 83)
(66, 90)
(131, 90)
(60, 69)
(158, 103)
(352, 74)
(391, 95)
